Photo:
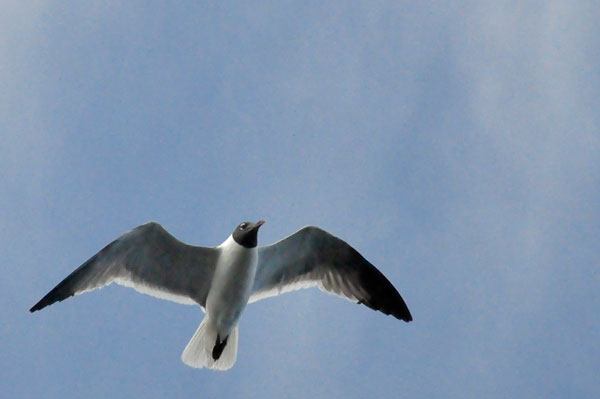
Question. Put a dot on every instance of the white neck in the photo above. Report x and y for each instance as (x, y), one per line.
(230, 244)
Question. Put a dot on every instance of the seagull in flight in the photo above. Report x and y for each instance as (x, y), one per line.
(224, 279)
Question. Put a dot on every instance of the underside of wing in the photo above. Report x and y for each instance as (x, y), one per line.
(313, 257)
(147, 259)
(283, 288)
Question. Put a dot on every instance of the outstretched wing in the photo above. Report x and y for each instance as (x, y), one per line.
(148, 259)
(313, 257)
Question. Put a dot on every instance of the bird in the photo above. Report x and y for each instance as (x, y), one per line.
(222, 280)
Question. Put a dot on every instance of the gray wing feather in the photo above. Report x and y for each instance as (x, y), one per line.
(148, 259)
(313, 257)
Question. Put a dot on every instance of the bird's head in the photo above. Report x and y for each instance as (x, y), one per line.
(246, 233)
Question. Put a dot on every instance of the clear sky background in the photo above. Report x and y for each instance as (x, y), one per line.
(454, 144)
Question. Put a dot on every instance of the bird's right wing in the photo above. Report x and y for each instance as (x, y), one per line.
(313, 257)
(148, 259)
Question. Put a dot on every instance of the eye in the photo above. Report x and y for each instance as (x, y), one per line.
(243, 225)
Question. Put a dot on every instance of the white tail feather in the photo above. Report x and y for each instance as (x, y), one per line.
(198, 352)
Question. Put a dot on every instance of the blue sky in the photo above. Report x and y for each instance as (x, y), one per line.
(454, 145)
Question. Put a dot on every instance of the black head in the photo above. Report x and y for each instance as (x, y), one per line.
(246, 233)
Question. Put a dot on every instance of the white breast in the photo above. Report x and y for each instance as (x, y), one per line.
(232, 284)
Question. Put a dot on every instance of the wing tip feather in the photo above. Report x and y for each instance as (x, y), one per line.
(49, 299)
(404, 316)
(41, 304)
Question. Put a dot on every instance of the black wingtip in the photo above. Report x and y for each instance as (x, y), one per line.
(384, 296)
(40, 305)
(404, 313)
(401, 314)
(56, 295)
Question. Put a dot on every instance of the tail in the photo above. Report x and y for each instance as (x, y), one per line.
(199, 351)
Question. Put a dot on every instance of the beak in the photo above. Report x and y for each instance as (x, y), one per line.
(259, 223)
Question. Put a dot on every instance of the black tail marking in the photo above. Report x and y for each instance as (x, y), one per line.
(219, 346)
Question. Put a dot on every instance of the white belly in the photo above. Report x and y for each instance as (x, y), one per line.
(231, 286)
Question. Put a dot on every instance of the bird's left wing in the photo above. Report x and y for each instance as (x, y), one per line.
(148, 259)
(313, 257)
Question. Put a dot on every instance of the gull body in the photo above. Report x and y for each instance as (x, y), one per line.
(228, 296)
(231, 286)
(222, 280)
